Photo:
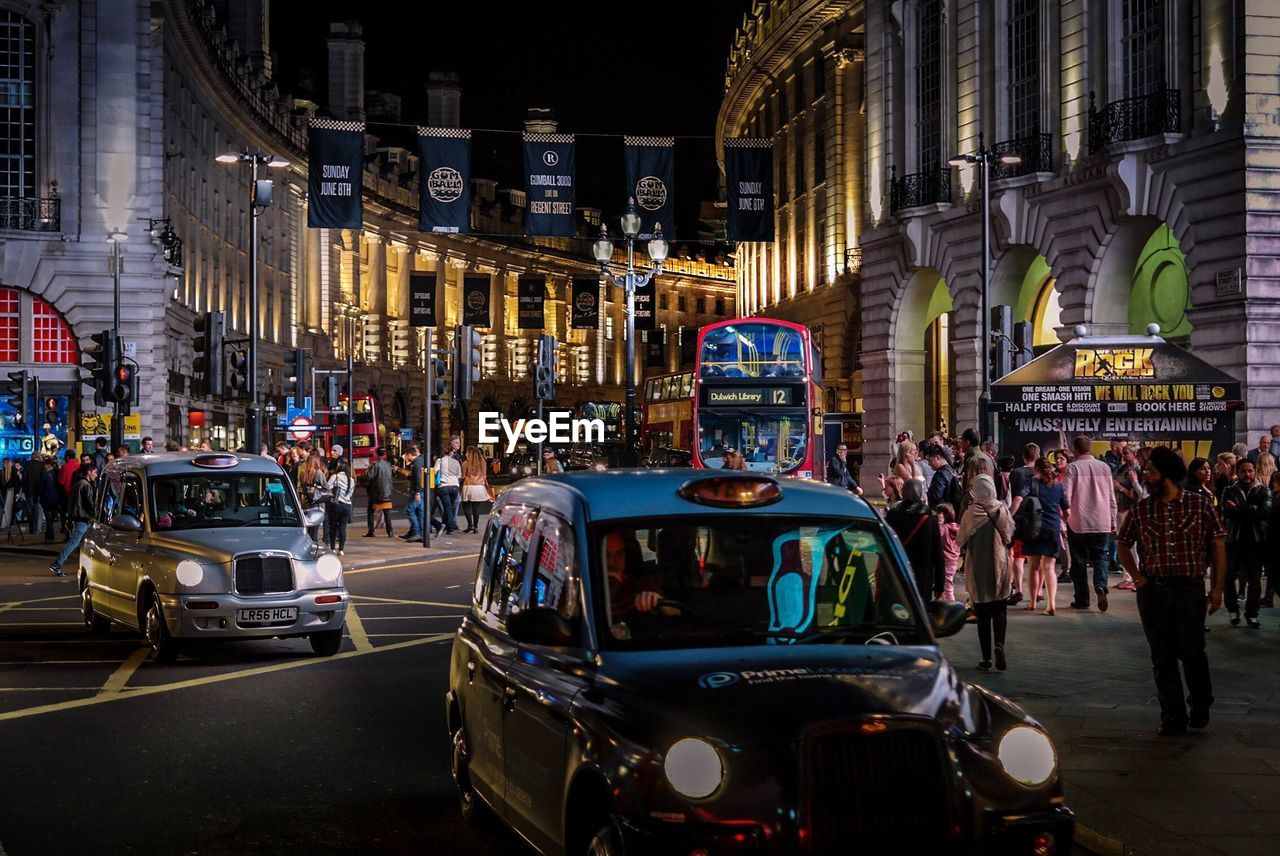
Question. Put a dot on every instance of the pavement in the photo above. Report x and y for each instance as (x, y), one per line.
(1086, 676)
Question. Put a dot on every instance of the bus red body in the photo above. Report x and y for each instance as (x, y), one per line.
(364, 449)
(666, 412)
(758, 389)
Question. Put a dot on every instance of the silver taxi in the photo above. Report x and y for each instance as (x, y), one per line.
(194, 546)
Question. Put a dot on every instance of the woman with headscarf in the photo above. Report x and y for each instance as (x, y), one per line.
(918, 530)
(986, 530)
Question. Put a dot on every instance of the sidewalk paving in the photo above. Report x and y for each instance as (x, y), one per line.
(1087, 677)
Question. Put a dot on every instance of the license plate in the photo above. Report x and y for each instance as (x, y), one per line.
(267, 615)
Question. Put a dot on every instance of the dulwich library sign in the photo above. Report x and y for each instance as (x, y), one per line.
(1138, 388)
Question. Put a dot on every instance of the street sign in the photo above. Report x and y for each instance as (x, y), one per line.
(129, 349)
(292, 410)
(301, 428)
(94, 425)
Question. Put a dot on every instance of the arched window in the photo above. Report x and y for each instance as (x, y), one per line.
(52, 340)
(17, 107)
(32, 330)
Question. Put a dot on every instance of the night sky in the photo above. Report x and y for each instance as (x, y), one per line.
(644, 68)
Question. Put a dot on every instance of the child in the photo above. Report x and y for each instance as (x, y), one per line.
(949, 528)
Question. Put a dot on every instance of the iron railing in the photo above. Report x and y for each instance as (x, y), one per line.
(919, 188)
(31, 214)
(1160, 112)
(1035, 149)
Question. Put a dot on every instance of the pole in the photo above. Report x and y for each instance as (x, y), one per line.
(117, 427)
(631, 353)
(427, 448)
(351, 403)
(539, 442)
(984, 398)
(252, 426)
(36, 413)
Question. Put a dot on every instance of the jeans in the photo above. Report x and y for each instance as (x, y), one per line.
(1173, 616)
(1089, 548)
(991, 616)
(339, 516)
(414, 511)
(1244, 569)
(78, 531)
(448, 498)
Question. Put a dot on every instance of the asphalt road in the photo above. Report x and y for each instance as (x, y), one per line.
(252, 748)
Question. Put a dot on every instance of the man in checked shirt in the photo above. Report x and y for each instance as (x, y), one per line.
(1178, 535)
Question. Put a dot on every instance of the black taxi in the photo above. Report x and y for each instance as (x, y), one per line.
(700, 663)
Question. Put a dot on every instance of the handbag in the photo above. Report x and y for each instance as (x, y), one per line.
(489, 490)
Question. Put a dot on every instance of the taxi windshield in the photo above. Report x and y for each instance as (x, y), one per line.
(769, 442)
(751, 580)
(210, 500)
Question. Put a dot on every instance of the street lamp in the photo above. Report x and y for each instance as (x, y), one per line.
(983, 158)
(259, 199)
(602, 249)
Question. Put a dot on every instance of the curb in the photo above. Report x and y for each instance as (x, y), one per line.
(1095, 843)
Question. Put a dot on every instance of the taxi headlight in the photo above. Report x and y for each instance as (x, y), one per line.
(693, 768)
(1027, 755)
(189, 573)
(329, 567)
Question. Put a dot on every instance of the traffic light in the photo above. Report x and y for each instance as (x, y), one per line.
(104, 356)
(51, 410)
(124, 388)
(295, 371)
(238, 373)
(1001, 337)
(332, 397)
(16, 392)
(211, 336)
(545, 373)
(1022, 344)
(468, 360)
(439, 371)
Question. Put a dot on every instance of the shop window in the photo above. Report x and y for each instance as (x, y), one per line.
(52, 339)
(8, 325)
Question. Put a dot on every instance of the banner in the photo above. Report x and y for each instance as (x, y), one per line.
(335, 174)
(444, 180)
(549, 181)
(646, 302)
(475, 300)
(531, 293)
(651, 183)
(586, 302)
(748, 170)
(422, 299)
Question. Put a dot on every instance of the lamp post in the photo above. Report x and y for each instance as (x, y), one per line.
(602, 249)
(983, 158)
(116, 238)
(259, 199)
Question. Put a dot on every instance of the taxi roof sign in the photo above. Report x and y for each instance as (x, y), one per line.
(215, 461)
(732, 491)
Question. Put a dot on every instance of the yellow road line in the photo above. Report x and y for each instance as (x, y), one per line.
(382, 600)
(135, 692)
(408, 617)
(41, 608)
(48, 689)
(124, 672)
(13, 603)
(355, 629)
(414, 564)
(55, 662)
(432, 635)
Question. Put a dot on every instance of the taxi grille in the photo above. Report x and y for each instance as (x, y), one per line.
(877, 793)
(264, 574)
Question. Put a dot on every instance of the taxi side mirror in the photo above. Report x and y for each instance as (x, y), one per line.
(946, 617)
(126, 523)
(540, 625)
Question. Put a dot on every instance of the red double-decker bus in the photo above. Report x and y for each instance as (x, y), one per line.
(758, 389)
(364, 449)
(666, 413)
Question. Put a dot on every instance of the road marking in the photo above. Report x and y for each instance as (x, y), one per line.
(135, 692)
(382, 600)
(383, 635)
(408, 617)
(13, 603)
(55, 662)
(49, 689)
(121, 675)
(355, 629)
(453, 587)
(372, 568)
(43, 608)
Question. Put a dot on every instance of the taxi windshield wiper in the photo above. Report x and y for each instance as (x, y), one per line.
(840, 632)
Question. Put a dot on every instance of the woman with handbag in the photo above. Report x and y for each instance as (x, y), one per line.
(986, 531)
(921, 538)
(343, 488)
(1042, 551)
(475, 487)
(312, 485)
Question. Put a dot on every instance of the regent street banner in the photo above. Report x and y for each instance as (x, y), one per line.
(586, 303)
(335, 174)
(444, 180)
(646, 302)
(550, 184)
(422, 299)
(475, 300)
(748, 169)
(531, 294)
(651, 183)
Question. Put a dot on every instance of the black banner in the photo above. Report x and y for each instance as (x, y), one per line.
(475, 300)
(748, 170)
(549, 181)
(444, 180)
(586, 303)
(335, 174)
(655, 352)
(422, 299)
(651, 183)
(531, 293)
(646, 304)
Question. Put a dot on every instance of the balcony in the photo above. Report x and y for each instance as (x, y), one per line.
(919, 188)
(1135, 118)
(31, 214)
(1035, 149)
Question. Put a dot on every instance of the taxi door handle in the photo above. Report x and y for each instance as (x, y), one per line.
(509, 699)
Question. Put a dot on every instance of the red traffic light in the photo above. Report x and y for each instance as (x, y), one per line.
(123, 373)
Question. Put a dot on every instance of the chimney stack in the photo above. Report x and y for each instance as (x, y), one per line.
(444, 100)
(346, 70)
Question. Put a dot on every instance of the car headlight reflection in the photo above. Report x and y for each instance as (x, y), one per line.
(1027, 755)
(329, 567)
(693, 768)
(189, 573)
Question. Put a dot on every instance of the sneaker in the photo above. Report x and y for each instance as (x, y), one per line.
(985, 665)
(1075, 605)
(1172, 728)
(411, 536)
(1102, 598)
(1001, 663)
(368, 534)
(56, 571)
(1253, 623)
(1234, 620)
(341, 553)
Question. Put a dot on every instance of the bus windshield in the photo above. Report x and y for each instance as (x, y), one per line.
(769, 442)
(752, 350)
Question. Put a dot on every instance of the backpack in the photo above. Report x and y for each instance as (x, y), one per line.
(1030, 517)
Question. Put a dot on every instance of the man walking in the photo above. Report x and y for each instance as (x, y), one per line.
(1246, 507)
(100, 453)
(838, 471)
(377, 485)
(414, 470)
(1091, 522)
(943, 487)
(1177, 534)
(81, 514)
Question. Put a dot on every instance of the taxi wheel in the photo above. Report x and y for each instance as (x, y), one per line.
(327, 642)
(608, 840)
(474, 811)
(163, 647)
(93, 622)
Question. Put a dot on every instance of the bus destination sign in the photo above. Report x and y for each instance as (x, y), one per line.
(778, 396)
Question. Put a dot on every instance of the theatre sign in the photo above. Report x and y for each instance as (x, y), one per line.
(1139, 388)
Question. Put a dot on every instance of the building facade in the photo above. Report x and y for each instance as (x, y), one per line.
(124, 107)
(1144, 193)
